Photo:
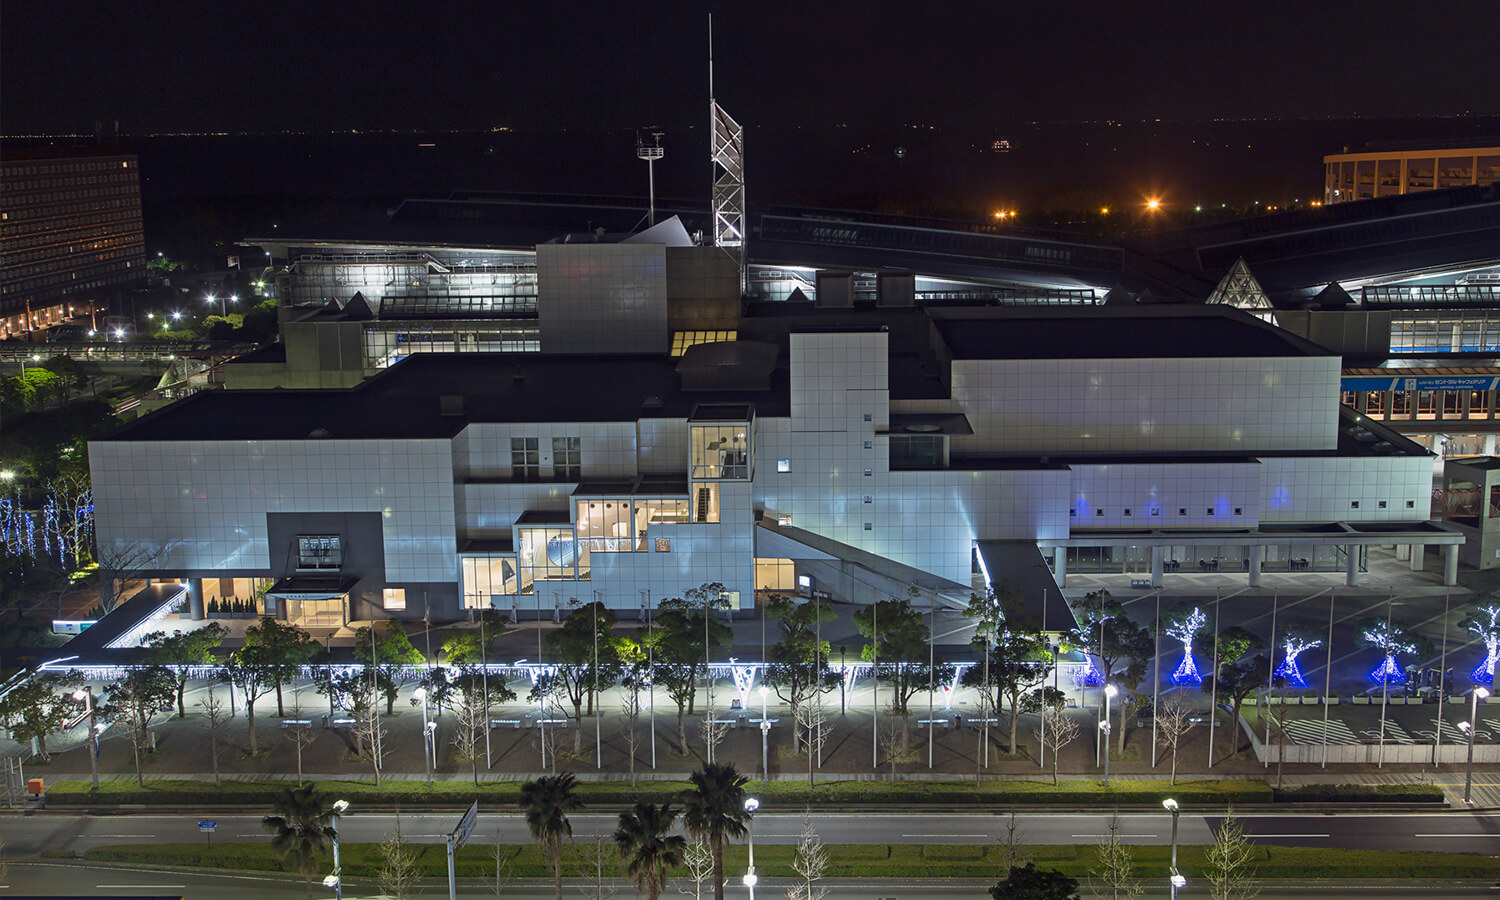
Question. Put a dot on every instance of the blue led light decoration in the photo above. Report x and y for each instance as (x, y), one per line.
(1392, 639)
(1485, 624)
(1184, 631)
(1288, 671)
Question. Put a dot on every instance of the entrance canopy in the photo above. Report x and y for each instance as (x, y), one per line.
(1019, 566)
(312, 587)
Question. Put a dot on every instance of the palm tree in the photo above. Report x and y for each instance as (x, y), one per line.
(547, 802)
(714, 809)
(301, 829)
(648, 849)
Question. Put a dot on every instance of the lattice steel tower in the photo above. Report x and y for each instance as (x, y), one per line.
(727, 152)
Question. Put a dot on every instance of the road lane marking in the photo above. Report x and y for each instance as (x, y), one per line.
(1471, 835)
(1122, 835)
(154, 887)
(137, 835)
(944, 835)
(1248, 835)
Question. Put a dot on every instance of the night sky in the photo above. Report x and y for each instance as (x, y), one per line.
(314, 65)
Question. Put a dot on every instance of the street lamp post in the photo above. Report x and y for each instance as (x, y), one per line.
(86, 694)
(337, 877)
(751, 805)
(765, 739)
(1469, 728)
(420, 695)
(1109, 692)
(843, 679)
(1177, 879)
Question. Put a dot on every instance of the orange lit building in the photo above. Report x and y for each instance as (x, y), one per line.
(70, 232)
(1388, 172)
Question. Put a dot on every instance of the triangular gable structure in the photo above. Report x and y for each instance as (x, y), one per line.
(1239, 289)
(1333, 297)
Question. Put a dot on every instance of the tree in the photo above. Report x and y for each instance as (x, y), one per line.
(251, 670)
(1238, 675)
(1112, 638)
(714, 810)
(798, 668)
(1393, 639)
(1228, 863)
(138, 698)
(1113, 872)
(39, 706)
(810, 862)
(904, 653)
(287, 649)
(648, 849)
(682, 626)
(1030, 883)
(814, 724)
(391, 655)
(572, 650)
(124, 561)
(1484, 623)
(1015, 665)
(1187, 624)
(399, 872)
(472, 712)
(301, 829)
(1013, 850)
(630, 707)
(698, 860)
(181, 649)
(1057, 732)
(301, 733)
(215, 715)
(546, 803)
(1173, 722)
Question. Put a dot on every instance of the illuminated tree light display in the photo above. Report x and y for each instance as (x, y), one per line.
(1485, 624)
(1187, 670)
(1291, 648)
(744, 680)
(1392, 640)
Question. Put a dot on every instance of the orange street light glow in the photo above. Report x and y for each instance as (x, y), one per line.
(1153, 204)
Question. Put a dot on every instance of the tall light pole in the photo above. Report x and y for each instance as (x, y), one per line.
(336, 880)
(420, 695)
(1109, 692)
(751, 805)
(86, 694)
(765, 739)
(1469, 728)
(1177, 879)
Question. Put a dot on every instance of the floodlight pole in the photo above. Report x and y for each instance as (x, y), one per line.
(1479, 693)
(1171, 806)
(1109, 692)
(88, 700)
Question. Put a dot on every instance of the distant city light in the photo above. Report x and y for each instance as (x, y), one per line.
(1104, 211)
(1153, 204)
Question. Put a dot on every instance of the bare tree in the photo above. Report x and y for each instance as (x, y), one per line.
(548, 741)
(698, 862)
(368, 730)
(812, 722)
(893, 741)
(398, 873)
(216, 714)
(1057, 732)
(810, 862)
(505, 858)
(597, 854)
(1113, 874)
(469, 713)
(630, 706)
(713, 729)
(301, 733)
(1173, 722)
(122, 562)
(1013, 852)
(1228, 868)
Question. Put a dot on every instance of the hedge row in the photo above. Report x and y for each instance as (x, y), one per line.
(845, 860)
(1361, 793)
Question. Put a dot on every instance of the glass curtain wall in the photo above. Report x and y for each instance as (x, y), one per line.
(545, 554)
(486, 579)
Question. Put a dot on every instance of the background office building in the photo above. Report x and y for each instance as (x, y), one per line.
(1389, 172)
(70, 228)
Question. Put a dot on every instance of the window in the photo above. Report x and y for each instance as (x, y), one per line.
(720, 451)
(783, 465)
(1073, 513)
(1099, 512)
(1181, 511)
(663, 545)
(525, 459)
(395, 598)
(869, 417)
(869, 499)
(869, 473)
(869, 526)
(1209, 511)
(487, 577)
(1381, 504)
(567, 457)
(1411, 504)
(1156, 510)
(1354, 504)
(319, 551)
(869, 445)
(784, 519)
(1239, 510)
(1127, 510)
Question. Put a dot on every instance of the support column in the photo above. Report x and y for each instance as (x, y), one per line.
(1418, 551)
(195, 599)
(1060, 565)
(1156, 566)
(1351, 565)
(1403, 553)
(1257, 556)
(1450, 564)
(1489, 445)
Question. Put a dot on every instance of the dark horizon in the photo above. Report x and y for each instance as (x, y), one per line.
(162, 67)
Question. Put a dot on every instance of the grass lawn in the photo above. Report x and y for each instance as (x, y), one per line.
(845, 860)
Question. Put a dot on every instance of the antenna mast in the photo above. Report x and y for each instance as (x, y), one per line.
(727, 152)
(650, 155)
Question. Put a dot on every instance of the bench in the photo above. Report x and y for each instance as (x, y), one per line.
(932, 722)
(342, 723)
(1331, 701)
(506, 723)
(1140, 583)
(296, 723)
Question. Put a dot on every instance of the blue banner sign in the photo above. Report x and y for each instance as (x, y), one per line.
(1422, 383)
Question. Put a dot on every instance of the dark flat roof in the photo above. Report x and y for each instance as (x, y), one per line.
(1126, 332)
(405, 401)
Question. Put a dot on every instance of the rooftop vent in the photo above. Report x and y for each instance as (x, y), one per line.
(652, 402)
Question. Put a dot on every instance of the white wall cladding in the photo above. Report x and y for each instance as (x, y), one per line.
(663, 446)
(1245, 405)
(487, 510)
(1165, 495)
(1326, 489)
(608, 448)
(206, 501)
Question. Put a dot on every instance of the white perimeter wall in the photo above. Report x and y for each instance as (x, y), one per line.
(207, 500)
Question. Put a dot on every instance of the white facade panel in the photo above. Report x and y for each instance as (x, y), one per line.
(1347, 489)
(1165, 495)
(602, 298)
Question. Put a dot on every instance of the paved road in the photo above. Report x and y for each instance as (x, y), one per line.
(1448, 832)
(56, 880)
